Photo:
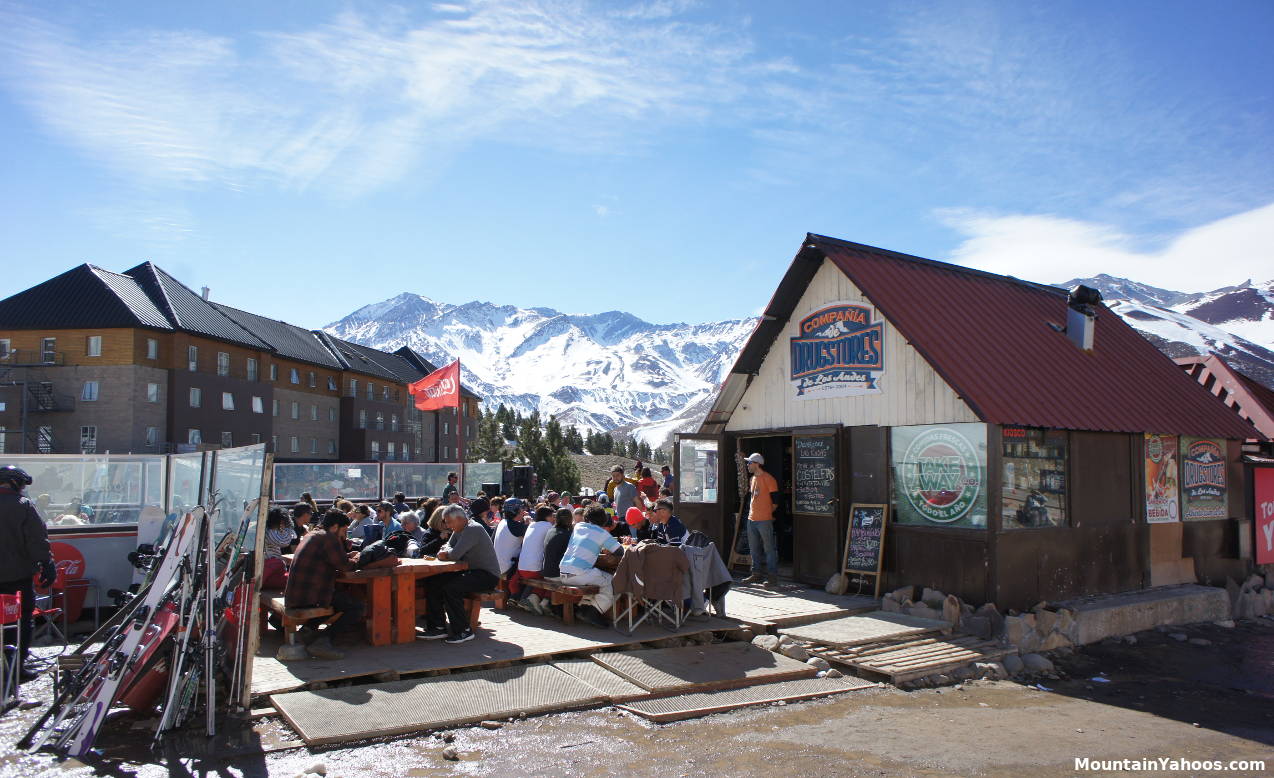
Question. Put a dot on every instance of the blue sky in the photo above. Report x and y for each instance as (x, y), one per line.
(304, 158)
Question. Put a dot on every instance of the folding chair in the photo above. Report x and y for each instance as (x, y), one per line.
(50, 605)
(632, 609)
(10, 659)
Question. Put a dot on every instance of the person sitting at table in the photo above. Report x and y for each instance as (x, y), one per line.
(469, 543)
(302, 516)
(400, 503)
(619, 527)
(435, 533)
(666, 529)
(411, 526)
(555, 546)
(640, 525)
(385, 517)
(361, 517)
(319, 558)
(589, 541)
(279, 534)
(531, 557)
(426, 509)
(577, 515)
(508, 535)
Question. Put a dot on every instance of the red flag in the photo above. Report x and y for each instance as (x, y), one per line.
(439, 389)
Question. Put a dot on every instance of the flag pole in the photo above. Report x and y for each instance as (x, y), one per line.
(459, 433)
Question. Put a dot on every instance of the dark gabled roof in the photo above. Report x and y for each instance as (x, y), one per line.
(364, 359)
(84, 297)
(188, 311)
(417, 360)
(288, 340)
(992, 339)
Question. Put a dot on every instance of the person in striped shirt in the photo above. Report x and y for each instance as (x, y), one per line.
(589, 540)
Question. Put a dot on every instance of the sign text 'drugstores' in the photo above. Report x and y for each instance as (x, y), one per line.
(837, 352)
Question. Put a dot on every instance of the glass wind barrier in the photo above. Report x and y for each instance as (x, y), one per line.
(236, 492)
(357, 481)
(74, 490)
(478, 473)
(417, 480)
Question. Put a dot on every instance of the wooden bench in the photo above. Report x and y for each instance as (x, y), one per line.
(561, 594)
(473, 602)
(293, 618)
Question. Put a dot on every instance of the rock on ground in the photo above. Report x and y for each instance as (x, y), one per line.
(768, 642)
(795, 651)
(1013, 664)
(1037, 664)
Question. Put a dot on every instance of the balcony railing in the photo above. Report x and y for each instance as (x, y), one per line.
(31, 357)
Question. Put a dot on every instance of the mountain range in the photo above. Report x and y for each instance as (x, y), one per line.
(614, 372)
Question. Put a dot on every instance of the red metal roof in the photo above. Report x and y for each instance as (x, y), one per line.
(990, 338)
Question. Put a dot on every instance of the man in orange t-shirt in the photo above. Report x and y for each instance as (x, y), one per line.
(763, 489)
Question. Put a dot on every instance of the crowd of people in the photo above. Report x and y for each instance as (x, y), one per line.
(507, 542)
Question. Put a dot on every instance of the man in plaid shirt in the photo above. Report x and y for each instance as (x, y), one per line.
(312, 583)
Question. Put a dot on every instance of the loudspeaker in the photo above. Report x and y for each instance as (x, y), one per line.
(491, 490)
(522, 481)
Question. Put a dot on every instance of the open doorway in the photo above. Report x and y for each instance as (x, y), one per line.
(777, 450)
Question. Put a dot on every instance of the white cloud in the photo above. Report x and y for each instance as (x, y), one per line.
(1050, 249)
(602, 211)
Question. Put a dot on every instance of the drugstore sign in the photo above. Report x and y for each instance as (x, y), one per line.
(837, 352)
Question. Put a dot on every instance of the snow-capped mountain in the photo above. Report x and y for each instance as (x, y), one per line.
(1236, 322)
(601, 371)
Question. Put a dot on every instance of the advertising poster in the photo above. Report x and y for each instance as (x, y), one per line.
(1203, 479)
(1263, 492)
(940, 475)
(1161, 479)
(837, 352)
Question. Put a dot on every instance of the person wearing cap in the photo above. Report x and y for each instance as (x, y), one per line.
(666, 529)
(385, 515)
(763, 490)
(639, 525)
(24, 550)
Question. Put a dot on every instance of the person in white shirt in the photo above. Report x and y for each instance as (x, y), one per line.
(531, 559)
(508, 535)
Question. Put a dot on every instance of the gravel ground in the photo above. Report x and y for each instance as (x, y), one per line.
(1163, 697)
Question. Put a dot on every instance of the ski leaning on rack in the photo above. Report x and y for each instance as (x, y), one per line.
(79, 714)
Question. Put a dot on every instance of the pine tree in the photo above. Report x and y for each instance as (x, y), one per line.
(643, 451)
(489, 445)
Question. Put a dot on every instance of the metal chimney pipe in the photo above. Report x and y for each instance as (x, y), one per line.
(206, 290)
(1081, 316)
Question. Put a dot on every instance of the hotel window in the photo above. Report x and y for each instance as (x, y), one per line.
(45, 440)
(223, 363)
(196, 397)
(194, 437)
(227, 440)
(152, 348)
(313, 380)
(2, 441)
(375, 449)
(331, 446)
(256, 437)
(4, 348)
(274, 372)
(274, 407)
(252, 369)
(446, 428)
(393, 422)
(88, 440)
(371, 391)
(353, 387)
(258, 405)
(331, 384)
(192, 358)
(49, 350)
(152, 393)
(152, 437)
(313, 412)
(445, 451)
(90, 392)
(331, 414)
(380, 420)
(274, 443)
(384, 393)
(227, 401)
(294, 376)
(362, 419)
(389, 451)
(313, 445)
(296, 410)
(94, 348)
(296, 444)
(406, 452)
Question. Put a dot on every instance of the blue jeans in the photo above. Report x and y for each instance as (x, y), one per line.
(761, 537)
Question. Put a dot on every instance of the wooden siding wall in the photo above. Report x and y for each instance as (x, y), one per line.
(912, 393)
(1214, 544)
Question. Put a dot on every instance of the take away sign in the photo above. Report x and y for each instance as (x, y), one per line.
(439, 389)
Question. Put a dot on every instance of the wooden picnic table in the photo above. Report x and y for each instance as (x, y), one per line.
(391, 596)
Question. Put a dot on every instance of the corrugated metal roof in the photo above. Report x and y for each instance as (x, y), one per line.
(365, 359)
(189, 311)
(288, 340)
(990, 337)
(84, 297)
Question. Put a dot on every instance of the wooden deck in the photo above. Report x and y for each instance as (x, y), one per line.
(793, 604)
(503, 636)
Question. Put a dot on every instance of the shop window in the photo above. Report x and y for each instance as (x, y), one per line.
(939, 475)
(1034, 473)
(90, 391)
(698, 476)
(94, 346)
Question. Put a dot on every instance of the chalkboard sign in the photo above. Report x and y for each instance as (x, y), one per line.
(865, 541)
(815, 476)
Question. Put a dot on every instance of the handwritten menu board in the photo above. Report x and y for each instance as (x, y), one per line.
(866, 538)
(815, 478)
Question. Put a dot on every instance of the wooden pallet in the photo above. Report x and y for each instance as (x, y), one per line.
(913, 659)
